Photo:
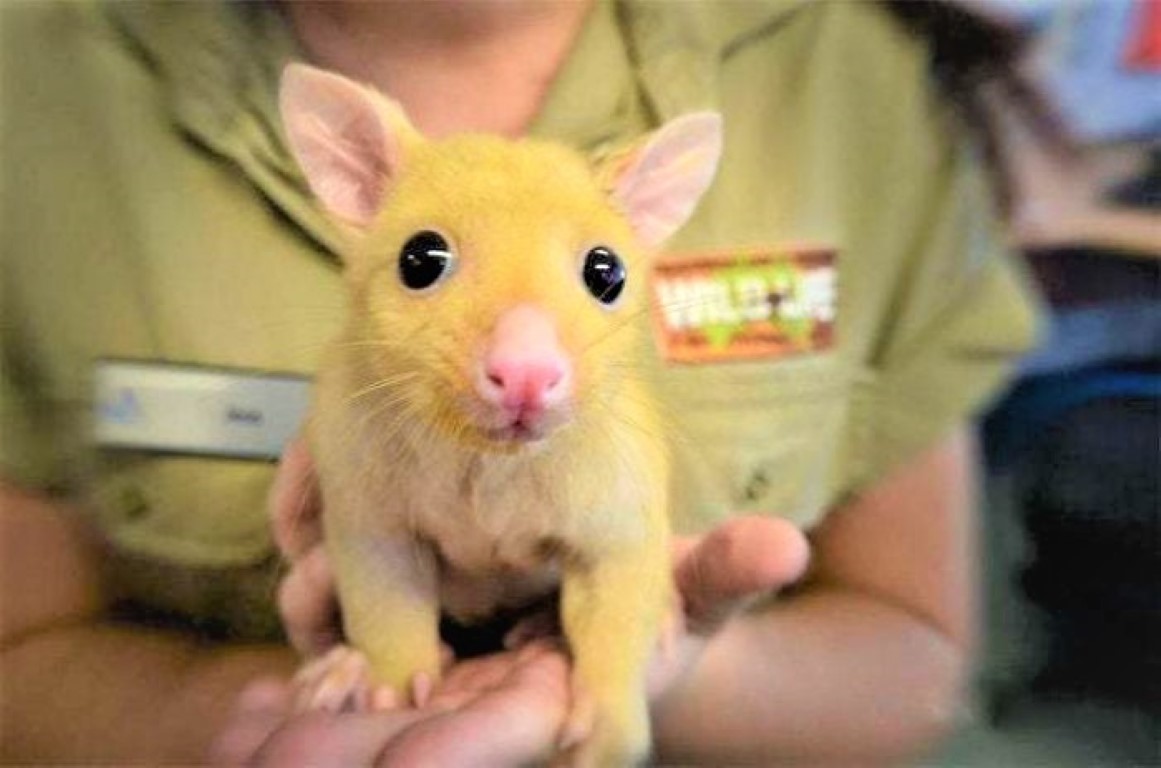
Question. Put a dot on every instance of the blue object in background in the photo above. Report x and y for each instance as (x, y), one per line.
(1038, 403)
(1084, 43)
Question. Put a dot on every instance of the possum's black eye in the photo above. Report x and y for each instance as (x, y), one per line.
(424, 259)
(604, 274)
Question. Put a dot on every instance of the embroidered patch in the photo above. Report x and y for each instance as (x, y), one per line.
(744, 305)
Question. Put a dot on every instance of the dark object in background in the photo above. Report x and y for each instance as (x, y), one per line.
(1091, 512)
(1083, 438)
(1080, 276)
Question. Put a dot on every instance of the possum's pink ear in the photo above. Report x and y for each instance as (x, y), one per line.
(660, 184)
(349, 140)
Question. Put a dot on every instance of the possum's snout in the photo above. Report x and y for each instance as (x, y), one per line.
(524, 376)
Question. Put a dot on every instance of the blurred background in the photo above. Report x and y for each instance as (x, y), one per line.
(1071, 674)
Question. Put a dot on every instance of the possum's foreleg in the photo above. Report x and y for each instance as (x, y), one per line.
(389, 595)
(612, 610)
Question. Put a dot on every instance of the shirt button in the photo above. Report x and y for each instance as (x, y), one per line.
(133, 503)
(757, 486)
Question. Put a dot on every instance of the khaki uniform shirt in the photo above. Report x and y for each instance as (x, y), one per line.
(151, 211)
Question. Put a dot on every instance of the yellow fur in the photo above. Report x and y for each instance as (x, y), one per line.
(422, 511)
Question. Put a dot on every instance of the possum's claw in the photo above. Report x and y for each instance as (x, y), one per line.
(579, 723)
(421, 688)
(340, 681)
(598, 736)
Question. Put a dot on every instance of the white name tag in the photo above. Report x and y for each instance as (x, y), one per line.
(189, 409)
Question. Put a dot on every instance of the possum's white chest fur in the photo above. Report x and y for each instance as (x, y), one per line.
(498, 524)
(489, 519)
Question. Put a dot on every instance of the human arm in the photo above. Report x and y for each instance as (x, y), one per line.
(78, 687)
(1131, 232)
(1060, 197)
(866, 661)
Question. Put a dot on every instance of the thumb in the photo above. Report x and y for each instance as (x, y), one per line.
(294, 503)
(736, 563)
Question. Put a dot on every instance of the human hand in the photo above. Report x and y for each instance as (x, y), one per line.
(1054, 193)
(307, 600)
(718, 575)
(500, 710)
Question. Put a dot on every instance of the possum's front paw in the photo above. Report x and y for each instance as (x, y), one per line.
(340, 681)
(608, 735)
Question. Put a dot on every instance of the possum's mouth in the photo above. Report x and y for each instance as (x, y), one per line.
(522, 429)
(505, 429)
(513, 429)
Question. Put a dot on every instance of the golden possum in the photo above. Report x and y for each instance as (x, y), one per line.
(480, 427)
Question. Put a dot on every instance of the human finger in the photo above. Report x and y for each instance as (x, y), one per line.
(515, 722)
(741, 560)
(472, 678)
(468, 679)
(260, 708)
(308, 604)
(325, 738)
(294, 502)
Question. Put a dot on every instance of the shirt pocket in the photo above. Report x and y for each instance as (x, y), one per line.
(762, 437)
(186, 510)
(189, 540)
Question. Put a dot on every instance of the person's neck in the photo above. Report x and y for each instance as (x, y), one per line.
(455, 66)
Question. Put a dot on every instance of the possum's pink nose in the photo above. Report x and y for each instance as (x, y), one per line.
(524, 370)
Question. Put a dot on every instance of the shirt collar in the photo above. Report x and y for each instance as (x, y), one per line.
(636, 64)
(594, 99)
(680, 46)
(639, 63)
(218, 65)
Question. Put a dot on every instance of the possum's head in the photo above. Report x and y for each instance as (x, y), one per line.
(496, 285)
